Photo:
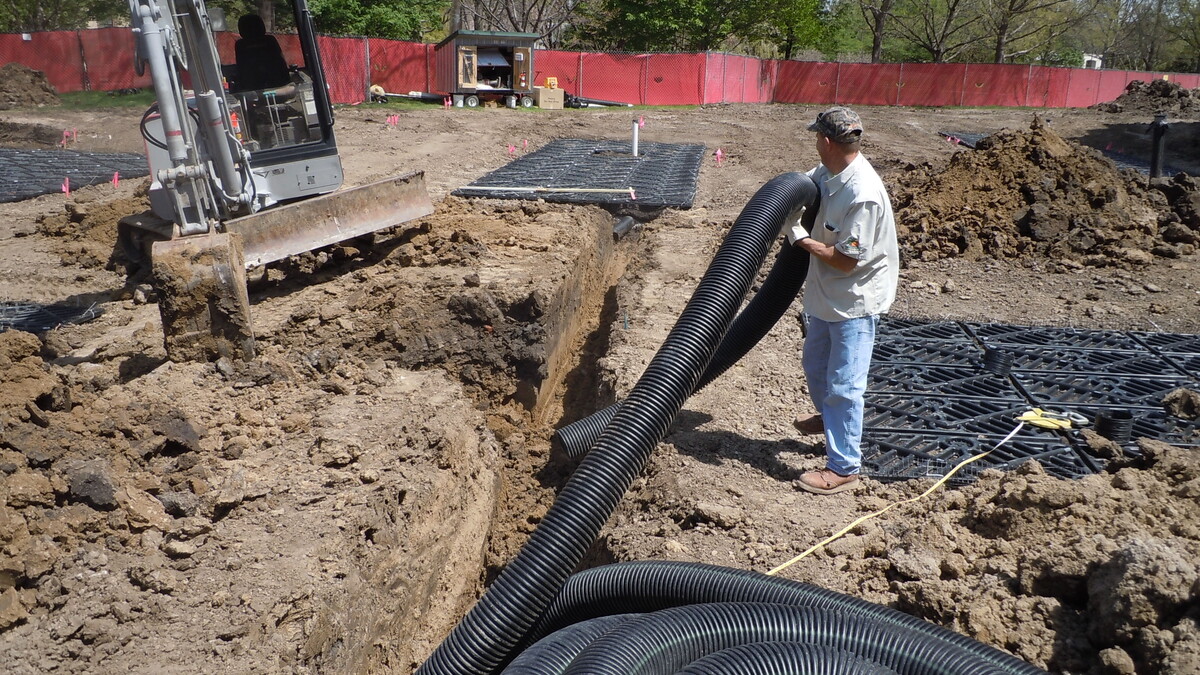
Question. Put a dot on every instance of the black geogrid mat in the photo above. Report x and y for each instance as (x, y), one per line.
(927, 352)
(34, 318)
(1092, 361)
(966, 138)
(907, 329)
(998, 334)
(1052, 390)
(28, 173)
(930, 403)
(662, 175)
(902, 378)
(948, 415)
(902, 456)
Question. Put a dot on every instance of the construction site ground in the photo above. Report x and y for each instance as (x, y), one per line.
(337, 504)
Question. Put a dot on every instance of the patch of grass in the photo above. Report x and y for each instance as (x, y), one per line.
(98, 100)
(394, 103)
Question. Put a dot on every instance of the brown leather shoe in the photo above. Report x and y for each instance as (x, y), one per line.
(810, 424)
(828, 482)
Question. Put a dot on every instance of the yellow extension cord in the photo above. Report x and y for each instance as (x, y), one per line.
(889, 507)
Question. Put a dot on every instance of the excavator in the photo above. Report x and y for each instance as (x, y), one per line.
(244, 171)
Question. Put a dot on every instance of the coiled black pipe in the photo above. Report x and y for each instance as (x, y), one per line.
(552, 654)
(650, 585)
(485, 638)
(663, 642)
(784, 658)
(763, 311)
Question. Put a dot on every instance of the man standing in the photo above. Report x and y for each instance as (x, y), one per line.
(851, 281)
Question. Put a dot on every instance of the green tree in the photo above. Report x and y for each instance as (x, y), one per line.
(938, 29)
(1019, 27)
(876, 13)
(27, 16)
(547, 18)
(799, 24)
(675, 25)
(1186, 30)
(394, 19)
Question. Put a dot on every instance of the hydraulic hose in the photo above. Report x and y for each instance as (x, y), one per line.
(668, 640)
(651, 585)
(777, 658)
(763, 311)
(486, 637)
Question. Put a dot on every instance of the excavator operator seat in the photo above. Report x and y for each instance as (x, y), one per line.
(260, 62)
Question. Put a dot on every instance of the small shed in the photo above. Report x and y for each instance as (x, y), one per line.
(480, 65)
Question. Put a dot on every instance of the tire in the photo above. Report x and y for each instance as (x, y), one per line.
(471, 101)
(526, 101)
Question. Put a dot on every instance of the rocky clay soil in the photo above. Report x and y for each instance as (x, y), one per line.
(338, 503)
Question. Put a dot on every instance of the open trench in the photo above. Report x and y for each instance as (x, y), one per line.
(467, 526)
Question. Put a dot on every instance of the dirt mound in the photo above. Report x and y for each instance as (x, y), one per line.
(18, 135)
(1033, 193)
(1153, 97)
(1104, 584)
(22, 87)
(85, 231)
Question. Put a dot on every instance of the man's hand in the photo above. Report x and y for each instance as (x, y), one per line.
(796, 233)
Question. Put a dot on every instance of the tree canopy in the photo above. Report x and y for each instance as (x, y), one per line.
(1139, 34)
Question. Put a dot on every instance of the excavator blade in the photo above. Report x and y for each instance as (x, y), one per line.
(277, 233)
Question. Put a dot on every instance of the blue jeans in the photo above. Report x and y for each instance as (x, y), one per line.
(837, 358)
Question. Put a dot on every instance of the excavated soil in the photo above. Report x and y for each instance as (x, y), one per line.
(23, 87)
(1153, 97)
(1032, 193)
(336, 504)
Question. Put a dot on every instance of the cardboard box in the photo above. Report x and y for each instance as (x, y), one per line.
(551, 99)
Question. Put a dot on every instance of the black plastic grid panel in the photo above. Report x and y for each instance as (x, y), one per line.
(1041, 336)
(903, 378)
(930, 404)
(906, 329)
(1091, 361)
(967, 138)
(904, 456)
(1152, 423)
(34, 318)
(1175, 343)
(662, 175)
(945, 415)
(1052, 390)
(1190, 363)
(28, 173)
(927, 352)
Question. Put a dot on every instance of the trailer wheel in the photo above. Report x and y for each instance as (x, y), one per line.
(471, 101)
(526, 101)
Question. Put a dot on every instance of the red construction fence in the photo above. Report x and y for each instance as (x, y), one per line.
(102, 60)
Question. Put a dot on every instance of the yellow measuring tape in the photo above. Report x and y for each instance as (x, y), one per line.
(891, 506)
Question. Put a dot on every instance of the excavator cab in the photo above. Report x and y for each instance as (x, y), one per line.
(276, 102)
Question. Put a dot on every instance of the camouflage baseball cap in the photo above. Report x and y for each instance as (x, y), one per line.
(841, 125)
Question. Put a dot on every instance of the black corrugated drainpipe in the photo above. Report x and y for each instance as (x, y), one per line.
(644, 587)
(487, 636)
(761, 314)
